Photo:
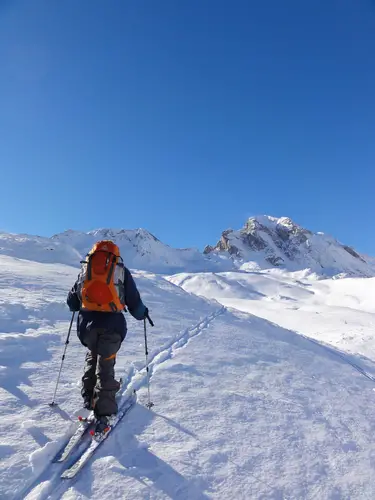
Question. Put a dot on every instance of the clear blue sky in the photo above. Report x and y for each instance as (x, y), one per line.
(187, 116)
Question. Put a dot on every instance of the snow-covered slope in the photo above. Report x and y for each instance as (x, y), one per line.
(38, 249)
(34, 322)
(244, 408)
(339, 312)
(266, 242)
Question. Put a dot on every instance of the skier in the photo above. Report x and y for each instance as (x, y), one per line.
(103, 290)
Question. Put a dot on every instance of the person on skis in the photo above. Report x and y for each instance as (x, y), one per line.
(103, 290)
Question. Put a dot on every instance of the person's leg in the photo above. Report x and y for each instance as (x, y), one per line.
(89, 378)
(109, 342)
(89, 339)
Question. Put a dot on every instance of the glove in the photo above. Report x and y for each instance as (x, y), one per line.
(73, 302)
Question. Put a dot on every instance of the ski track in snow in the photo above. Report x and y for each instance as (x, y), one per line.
(247, 293)
(344, 357)
(46, 483)
(166, 353)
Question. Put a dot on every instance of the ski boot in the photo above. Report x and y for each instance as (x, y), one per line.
(103, 425)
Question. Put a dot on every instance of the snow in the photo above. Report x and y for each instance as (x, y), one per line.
(262, 379)
(37, 248)
(338, 312)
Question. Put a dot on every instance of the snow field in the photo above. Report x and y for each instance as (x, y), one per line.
(337, 312)
(245, 406)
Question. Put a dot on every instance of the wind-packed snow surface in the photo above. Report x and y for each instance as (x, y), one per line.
(263, 384)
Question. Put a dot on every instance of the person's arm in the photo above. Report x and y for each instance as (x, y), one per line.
(73, 300)
(133, 299)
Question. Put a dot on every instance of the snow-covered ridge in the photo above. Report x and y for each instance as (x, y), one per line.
(140, 249)
(264, 242)
(38, 249)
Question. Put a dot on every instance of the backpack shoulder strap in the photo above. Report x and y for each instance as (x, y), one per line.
(89, 268)
(111, 269)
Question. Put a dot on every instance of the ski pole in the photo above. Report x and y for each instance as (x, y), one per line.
(62, 361)
(149, 404)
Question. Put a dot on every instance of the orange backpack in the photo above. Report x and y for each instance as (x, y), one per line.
(103, 279)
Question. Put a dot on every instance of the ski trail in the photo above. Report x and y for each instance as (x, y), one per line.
(48, 481)
(342, 356)
(139, 378)
(322, 345)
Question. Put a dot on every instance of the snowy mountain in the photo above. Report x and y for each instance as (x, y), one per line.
(266, 242)
(139, 248)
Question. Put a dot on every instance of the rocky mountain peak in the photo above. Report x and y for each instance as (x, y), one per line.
(280, 242)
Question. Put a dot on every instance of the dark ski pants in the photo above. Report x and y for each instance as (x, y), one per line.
(98, 381)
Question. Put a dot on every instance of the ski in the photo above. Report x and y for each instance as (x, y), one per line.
(76, 438)
(84, 425)
(97, 440)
